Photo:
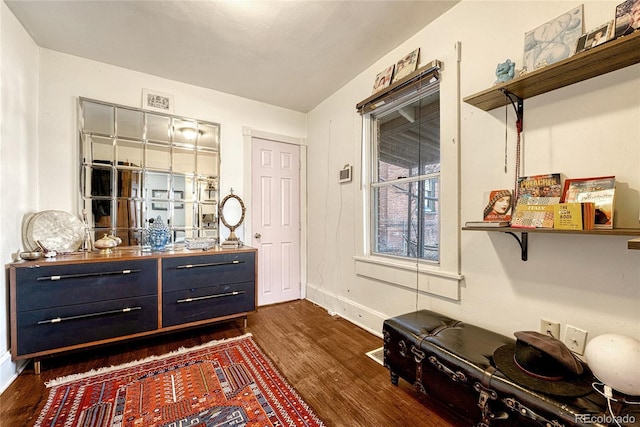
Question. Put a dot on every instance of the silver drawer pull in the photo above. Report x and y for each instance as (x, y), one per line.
(228, 294)
(81, 275)
(210, 264)
(85, 316)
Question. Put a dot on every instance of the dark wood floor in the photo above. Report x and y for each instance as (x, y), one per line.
(322, 357)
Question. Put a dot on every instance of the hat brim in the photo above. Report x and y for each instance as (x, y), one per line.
(570, 387)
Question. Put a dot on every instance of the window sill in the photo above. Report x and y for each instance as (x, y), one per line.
(411, 276)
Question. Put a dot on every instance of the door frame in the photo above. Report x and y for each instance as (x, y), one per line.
(248, 134)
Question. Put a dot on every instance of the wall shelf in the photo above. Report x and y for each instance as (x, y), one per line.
(523, 240)
(611, 56)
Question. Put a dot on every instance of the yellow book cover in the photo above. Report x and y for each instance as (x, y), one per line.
(567, 216)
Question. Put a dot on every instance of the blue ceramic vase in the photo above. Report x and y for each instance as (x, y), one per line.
(158, 235)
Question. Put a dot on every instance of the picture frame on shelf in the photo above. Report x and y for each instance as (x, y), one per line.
(383, 79)
(157, 101)
(553, 41)
(627, 18)
(406, 65)
(595, 37)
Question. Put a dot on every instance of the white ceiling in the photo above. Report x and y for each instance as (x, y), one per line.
(292, 54)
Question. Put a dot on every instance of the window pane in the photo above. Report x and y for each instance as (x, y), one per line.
(408, 139)
(395, 223)
(407, 219)
(405, 186)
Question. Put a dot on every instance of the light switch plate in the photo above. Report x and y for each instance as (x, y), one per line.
(575, 339)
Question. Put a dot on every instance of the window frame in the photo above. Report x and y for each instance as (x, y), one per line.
(443, 280)
(373, 183)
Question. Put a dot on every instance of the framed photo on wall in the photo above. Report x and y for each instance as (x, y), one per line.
(157, 101)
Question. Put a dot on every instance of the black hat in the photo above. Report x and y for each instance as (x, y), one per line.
(543, 363)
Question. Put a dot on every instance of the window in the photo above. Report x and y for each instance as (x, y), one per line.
(405, 176)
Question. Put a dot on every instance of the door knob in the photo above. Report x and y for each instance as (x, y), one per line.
(257, 235)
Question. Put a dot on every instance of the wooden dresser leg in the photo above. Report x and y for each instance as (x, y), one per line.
(36, 367)
(244, 324)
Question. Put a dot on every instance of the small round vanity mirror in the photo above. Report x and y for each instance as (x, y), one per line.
(231, 213)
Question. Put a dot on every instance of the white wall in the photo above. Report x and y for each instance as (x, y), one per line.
(588, 129)
(18, 156)
(40, 88)
(64, 78)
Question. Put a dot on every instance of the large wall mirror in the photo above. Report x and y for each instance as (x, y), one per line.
(136, 165)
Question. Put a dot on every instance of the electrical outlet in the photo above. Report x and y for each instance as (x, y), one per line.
(548, 327)
(575, 339)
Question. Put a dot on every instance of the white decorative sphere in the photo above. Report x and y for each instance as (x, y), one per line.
(615, 360)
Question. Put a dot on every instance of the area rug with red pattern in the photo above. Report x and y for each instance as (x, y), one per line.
(222, 383)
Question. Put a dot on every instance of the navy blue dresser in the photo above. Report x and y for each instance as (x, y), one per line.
(81, 300)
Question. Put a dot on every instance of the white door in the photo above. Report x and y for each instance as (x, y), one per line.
(275, 213)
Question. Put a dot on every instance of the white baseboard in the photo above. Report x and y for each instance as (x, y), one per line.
(9, 370)
(336, 305)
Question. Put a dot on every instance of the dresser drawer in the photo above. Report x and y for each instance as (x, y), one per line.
(207, 270)
(194, 304)
(51, 328)
(68, 284)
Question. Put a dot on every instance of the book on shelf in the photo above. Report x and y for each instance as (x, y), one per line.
(497, 206)
(537, 194)
(539, 189)
(530, 216)
(483, 224)
(599, 190)
(574, 216)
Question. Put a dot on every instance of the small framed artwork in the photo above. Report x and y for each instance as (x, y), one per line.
(595, 37)
(627, 17)
(406, 65)
(157, 101)
(553, 41)
(383, 79)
